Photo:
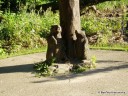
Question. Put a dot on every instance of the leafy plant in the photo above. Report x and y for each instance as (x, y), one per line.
(93, 61)
(42, 68)
(79, 69)
(2, 52)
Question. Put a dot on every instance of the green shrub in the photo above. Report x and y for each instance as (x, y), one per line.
(48, 19)
(112, 5)
(95, 24)
(103, 27)
(23, 30)
(2, 52)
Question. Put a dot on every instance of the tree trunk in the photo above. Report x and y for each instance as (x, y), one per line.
(74, 40)
(70, 22)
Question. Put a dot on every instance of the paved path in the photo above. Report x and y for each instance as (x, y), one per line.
(109, 79)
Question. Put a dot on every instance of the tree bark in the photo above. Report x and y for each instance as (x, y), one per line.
(70, 22)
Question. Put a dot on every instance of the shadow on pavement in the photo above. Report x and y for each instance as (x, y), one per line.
(108, 61)
(124, 65)
(29, 68)
(18, 68)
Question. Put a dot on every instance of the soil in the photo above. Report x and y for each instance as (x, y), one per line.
(110, 78)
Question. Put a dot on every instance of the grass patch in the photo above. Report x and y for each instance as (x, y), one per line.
(110, 48)
(24, 52)
(44, 48)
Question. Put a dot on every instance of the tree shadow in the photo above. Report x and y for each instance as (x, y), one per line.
(123, 65)
(108, 61)
(29, 68)
(17, 68)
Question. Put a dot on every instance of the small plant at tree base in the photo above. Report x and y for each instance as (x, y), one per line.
(42, 68)
(78, 68)
(93, 60)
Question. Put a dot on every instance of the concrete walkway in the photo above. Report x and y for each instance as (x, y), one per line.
(110, 78)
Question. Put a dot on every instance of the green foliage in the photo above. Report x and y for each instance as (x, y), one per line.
(48, 19)
(42, 68)
(22, 30)
(94, 25)
(117, 47)
(111, 5)
(78, 68)
(2, 51)
(93, 61)
(19, 31)
(17, 6)
(103, 27)
(22, 52)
